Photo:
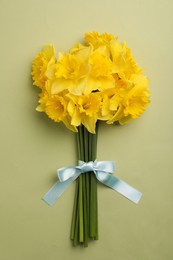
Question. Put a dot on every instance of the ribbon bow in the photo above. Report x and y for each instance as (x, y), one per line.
(103, 171)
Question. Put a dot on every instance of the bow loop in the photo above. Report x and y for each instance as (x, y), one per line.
(66, 173)
(105, 166)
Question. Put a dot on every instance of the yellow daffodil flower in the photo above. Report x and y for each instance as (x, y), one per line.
(55, 106)
(41, 63)
(100, 75)
(133, 101)
(84, 110)
(109, 105)
(136, 99)
(70, 72)
(97, 40)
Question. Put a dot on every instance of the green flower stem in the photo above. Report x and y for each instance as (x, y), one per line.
(82, 213)
(75, 207)
(86, 144)
(96, 219)
(93, 207)
(81, 217)
(93, 189)
(75, 216)
(86, 179)
(86, 233)
(76, 232)
(81, 143)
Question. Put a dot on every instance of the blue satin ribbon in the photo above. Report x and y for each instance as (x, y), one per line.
(103, 171)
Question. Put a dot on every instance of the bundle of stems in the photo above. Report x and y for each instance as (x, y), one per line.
(84, 225)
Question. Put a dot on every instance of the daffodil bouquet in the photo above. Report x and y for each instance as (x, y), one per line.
(97, 80)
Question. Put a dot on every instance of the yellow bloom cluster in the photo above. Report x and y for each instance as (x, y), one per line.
(97, 80)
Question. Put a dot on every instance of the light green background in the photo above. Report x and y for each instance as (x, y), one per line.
(32, 146)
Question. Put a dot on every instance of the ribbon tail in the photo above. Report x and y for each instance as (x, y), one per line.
(55, 192)
(120, 186)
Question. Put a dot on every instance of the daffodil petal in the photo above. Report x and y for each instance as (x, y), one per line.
(89, 123)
